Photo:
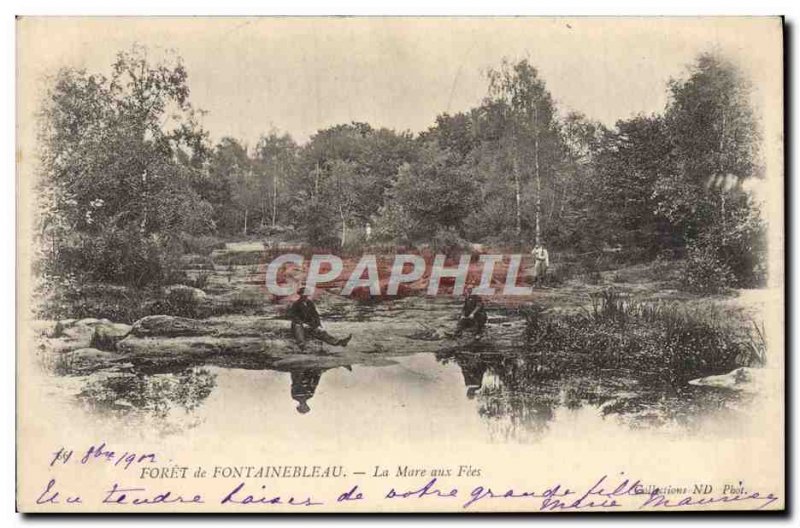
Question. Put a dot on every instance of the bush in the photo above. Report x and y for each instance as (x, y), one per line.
(182, 303)
(661, 339)
(318, 223)
(277, 232)
(740, 243)
(200, 245)
(200, 281)
(730, 252)
(449, 242)
(559, 273)
(591, 272)
(705, 272)
(66, 298)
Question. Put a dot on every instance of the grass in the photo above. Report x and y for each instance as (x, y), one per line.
(664, 339)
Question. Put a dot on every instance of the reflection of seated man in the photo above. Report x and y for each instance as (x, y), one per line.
(304, 384)
(305, 322)
(473, 315)
(473, 369)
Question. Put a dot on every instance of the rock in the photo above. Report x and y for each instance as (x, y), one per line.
(246, 246)
(81, 330)
(166, 326)
(50, 328)
(82, 360)
(89, 321)
(79, 333)
(107, 335)
(259, 342)
(92, 358)
(170, 326)
(744, 379)
(58, 345)
(71, 335)
(201, 347)
(183, 292)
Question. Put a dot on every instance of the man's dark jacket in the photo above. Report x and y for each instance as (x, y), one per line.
(472, 302)
(303, 311)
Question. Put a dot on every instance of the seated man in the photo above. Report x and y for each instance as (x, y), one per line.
(305, 321)
(473, 315)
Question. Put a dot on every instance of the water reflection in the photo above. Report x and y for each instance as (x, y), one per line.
(520, 395)
(514, 393)
(473, 367)
(471, 391)
(304, 385)
(157, 395)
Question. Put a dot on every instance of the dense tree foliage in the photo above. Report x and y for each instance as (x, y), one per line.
(128, 173)
(122, 160)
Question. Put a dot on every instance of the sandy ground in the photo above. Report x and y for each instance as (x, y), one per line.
(259, 335)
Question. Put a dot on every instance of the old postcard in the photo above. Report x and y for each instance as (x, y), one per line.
(400, 265)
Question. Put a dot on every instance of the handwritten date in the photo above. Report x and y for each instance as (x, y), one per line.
(101, 453)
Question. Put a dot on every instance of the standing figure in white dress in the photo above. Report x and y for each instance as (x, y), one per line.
(541, 261)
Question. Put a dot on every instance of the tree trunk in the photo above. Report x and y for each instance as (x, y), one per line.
(245, 220)
(344, 226)
(263, 220)
(538, 211)
(274, 201)
(723, 176)
(518, 196)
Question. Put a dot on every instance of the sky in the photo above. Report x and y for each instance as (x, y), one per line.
(254, 75)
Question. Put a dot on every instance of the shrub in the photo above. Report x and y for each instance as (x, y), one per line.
(66, 298)
(318, 223)
(591, 272)
(196, 262)
(200, 281)
(730, 251)
(448, 241)
(705, 271)
(559, 273)
(200, 245)
(661, 339)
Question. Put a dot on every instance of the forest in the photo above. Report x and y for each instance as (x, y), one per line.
(156, 245)
(130, 181)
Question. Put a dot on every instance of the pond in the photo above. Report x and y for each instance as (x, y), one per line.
(482, 397)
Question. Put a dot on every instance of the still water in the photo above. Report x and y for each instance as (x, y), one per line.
(481, 397)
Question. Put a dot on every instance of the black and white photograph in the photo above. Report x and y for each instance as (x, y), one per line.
(418, 264)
